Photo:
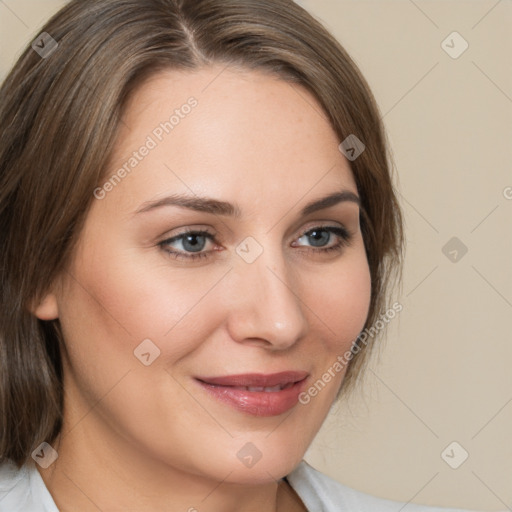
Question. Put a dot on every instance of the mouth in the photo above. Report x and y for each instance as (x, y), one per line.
(257, 394)
(267, 389)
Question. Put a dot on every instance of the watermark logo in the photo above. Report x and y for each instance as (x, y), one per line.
(454, 250)
(351, 147)
(454, 455)
(146, 352)
(249, 455)
(45, 455)
(44, 45)
(454, 45)
(249, 249)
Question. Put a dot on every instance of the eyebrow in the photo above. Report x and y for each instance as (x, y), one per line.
(216, 207)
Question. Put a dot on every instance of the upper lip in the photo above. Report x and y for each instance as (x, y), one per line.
(257, 379)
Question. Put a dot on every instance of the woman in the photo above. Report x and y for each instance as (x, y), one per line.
(198, 221)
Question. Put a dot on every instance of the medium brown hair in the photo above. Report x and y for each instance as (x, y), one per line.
(59, 117)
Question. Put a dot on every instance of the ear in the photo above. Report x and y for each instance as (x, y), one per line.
(47, 309)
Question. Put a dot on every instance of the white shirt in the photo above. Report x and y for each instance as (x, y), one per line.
(25, 491)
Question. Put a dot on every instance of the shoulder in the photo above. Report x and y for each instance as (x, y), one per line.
(321, 493)
(14, 487)
(23, 489)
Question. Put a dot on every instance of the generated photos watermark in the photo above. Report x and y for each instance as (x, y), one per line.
(152, 140)
(343, 360)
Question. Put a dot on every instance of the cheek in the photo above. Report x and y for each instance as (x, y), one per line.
(339, 305)
(116, 300)
(341, 300)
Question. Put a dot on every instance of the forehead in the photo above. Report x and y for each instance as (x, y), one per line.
(219, 131)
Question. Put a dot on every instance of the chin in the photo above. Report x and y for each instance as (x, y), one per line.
(262, 463)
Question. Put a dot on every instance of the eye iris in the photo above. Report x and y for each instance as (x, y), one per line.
(193, 247)
(323, 238)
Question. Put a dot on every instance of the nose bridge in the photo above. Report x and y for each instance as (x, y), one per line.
(270, 306)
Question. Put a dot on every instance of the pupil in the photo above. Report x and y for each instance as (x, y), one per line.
(194, 247)
(316, 237)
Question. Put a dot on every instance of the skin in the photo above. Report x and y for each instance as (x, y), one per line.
(139, 437)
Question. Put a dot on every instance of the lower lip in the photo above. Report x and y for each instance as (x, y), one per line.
(257, 403)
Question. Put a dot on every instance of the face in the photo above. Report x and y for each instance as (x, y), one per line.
(159, 297)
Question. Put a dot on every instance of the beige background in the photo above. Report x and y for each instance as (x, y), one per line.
(444, 373)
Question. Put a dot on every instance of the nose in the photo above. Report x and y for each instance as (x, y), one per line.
(266, 305)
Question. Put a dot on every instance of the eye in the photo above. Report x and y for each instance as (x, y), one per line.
(193, 242)
(320, 236)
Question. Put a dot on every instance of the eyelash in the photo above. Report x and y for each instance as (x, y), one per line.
(342, 233)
